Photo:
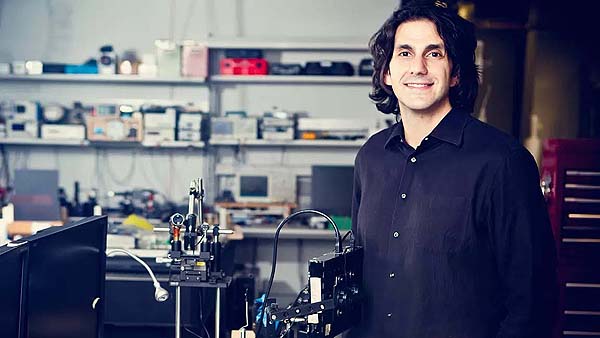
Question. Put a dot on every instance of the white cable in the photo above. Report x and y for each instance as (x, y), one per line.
(160, 294)
(243, 328)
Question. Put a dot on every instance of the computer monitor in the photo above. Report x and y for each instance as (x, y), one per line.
(36, 195)
(66, 279)
(12, 263)
(331, 189)
(254, 186)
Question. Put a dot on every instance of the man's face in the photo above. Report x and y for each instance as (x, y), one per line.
(419, 70)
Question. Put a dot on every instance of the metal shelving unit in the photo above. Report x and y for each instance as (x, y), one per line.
(289, 143)
(136, 79)
(291, 79)
(215, 79)
(41, 142)
(101, 144)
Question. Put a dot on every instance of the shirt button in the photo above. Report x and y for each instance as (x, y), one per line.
(413, 159)
(392, 275)
(403, 196)
(389, 315)
(427, 139)
(396, 234)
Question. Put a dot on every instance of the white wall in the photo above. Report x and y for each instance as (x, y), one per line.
(72, 31)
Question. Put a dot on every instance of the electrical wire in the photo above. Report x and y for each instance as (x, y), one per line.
(189, 12)
(201, 313)
(246, 311)
(112, 252)
(128, 176)
(346, 235)
(338, 249)
(192, 332)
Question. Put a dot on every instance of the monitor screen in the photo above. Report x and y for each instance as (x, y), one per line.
(331, 189)
(11, 276)
(36, 195)
(66, 272)
(254, 186)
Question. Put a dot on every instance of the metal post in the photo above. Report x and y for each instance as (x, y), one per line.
(178, 312)
(218, 313)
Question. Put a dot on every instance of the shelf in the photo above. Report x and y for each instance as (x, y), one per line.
(358, 45)
(216, 79)
(290, 79)
(104, 78)
(102, 144)
(173, 144)
(290, 143)
(41, 142)
(183, 144)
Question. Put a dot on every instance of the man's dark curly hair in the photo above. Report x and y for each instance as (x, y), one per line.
(459, 39)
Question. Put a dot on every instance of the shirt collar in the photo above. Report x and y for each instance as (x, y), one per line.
(450, 129)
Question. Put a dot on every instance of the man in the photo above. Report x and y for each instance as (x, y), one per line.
(448, 209)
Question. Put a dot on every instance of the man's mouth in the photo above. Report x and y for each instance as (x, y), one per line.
(418, 85)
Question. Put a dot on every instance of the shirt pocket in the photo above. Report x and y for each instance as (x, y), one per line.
(442, 224)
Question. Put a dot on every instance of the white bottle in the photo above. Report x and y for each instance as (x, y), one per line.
(107, 63)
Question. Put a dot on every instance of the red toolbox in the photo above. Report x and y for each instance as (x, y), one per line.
(240, 66)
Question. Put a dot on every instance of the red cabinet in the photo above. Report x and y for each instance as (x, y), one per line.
(571, 183)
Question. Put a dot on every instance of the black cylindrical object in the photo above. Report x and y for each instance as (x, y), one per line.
(176, 246)
(205, 247)
(215, 248)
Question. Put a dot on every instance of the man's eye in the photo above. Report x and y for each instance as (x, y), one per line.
(435, 54)
(404, 54)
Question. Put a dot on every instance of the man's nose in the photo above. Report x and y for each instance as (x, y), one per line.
(418, 66)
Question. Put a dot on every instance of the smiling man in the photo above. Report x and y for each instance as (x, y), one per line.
(448, 209)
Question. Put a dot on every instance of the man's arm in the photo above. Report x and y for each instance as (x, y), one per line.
(356, 201)
(521, 237)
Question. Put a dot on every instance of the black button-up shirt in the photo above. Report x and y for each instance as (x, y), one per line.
(456, 235)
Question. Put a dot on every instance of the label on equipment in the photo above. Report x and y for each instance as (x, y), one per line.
(315, 297)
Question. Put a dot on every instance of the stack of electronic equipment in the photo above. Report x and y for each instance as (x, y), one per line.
(151, 123)
(163, 124)
(187, 58)
(282, 125)
(323, 68)
(30, 120)
(244, 62)
(21, 118)
(114, 122)
(252, 62)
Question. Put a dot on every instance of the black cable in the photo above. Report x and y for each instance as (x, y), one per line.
(346, 235)
(192, 332)
(338, 249)
(201, 317)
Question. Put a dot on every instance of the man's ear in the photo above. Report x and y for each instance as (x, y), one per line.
(387, 77)
(454, 80)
